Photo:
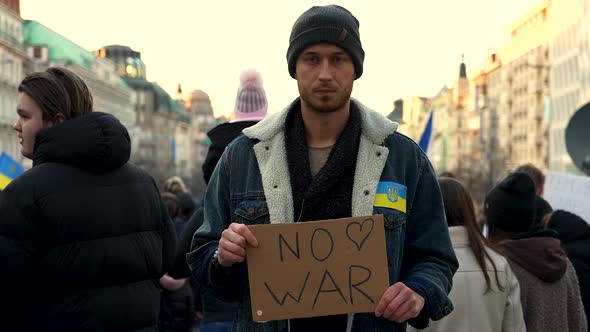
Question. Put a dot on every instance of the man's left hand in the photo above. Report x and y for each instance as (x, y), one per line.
(399, 303)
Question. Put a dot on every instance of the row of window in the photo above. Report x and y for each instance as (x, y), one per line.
(10, 29)
(566, 73)
(564, 106)
(8, 141)
(10, 69)
(557, 147)
(566, 40)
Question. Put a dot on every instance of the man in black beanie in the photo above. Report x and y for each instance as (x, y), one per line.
(327, 156)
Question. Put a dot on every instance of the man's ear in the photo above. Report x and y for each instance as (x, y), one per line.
(57, 119)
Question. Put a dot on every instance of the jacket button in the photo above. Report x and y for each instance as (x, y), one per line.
(367, 193)
(275, 186)
(378, 154)
(266, 148)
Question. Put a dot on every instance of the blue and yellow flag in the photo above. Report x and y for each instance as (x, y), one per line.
(9, 170)
(391, 195)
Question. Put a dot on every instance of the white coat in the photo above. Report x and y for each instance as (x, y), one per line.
(496, 310)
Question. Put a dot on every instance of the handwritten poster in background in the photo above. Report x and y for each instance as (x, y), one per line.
(317, 268)
(568, 192)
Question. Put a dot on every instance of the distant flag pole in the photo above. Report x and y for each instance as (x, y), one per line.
(426, 139)
(9, 170)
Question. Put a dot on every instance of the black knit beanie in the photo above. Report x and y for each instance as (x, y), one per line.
(510, 205)
(326, 24)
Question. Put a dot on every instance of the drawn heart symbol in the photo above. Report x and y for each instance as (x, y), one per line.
(359, 233)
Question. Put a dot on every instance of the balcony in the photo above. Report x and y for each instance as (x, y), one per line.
(11, 41)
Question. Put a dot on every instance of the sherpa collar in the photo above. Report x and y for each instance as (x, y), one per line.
(374, 126)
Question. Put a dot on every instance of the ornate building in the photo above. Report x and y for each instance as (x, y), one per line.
(203, 121)
(157, 115)
(522, 124)
(12, 55)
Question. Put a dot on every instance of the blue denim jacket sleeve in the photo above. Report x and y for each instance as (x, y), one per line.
(429, 260)
(206, 238)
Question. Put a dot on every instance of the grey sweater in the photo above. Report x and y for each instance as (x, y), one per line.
(550, 293)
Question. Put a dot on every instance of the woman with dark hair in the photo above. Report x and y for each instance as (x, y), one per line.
(485, 293)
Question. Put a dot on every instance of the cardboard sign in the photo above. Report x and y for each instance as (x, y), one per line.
(568, 192)
(317, 268)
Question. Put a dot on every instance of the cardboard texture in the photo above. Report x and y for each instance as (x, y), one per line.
(317, 268)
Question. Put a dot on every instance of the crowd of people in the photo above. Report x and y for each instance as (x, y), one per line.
(89, 242)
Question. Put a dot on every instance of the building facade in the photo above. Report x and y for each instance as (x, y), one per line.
(570, 81)
(458, 120)
(490, 87)
(157, 116)
(12, 55)
(203, 120)
(46, 48)
(183, 147)
(522, 125)
(441, 108)
(411, 113)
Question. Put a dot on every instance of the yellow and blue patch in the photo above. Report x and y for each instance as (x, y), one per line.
(391, 195)
(9, 170)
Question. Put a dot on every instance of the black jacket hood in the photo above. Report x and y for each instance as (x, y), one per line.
(96, 142)
(570, 226)
(223, 134)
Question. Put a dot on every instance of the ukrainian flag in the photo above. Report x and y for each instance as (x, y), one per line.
(391, 195)
(9, 170)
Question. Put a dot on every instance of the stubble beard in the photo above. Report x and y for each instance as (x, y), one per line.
(324, 105)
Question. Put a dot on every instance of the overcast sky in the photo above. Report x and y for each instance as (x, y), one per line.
(412, 47)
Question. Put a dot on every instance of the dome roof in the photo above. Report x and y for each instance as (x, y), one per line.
(199, 95)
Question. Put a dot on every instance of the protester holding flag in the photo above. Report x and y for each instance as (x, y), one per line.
(84, 235)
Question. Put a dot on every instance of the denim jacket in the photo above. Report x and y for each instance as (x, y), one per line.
(250, 186)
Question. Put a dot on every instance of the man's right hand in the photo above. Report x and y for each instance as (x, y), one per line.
(232, 246)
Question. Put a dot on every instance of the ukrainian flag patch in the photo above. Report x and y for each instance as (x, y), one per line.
(391, 195)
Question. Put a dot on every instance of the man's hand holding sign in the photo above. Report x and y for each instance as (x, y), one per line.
(232, 245)
(318, 268)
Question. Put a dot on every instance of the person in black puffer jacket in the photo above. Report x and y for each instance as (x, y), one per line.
(84, 235)
(574, 233)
